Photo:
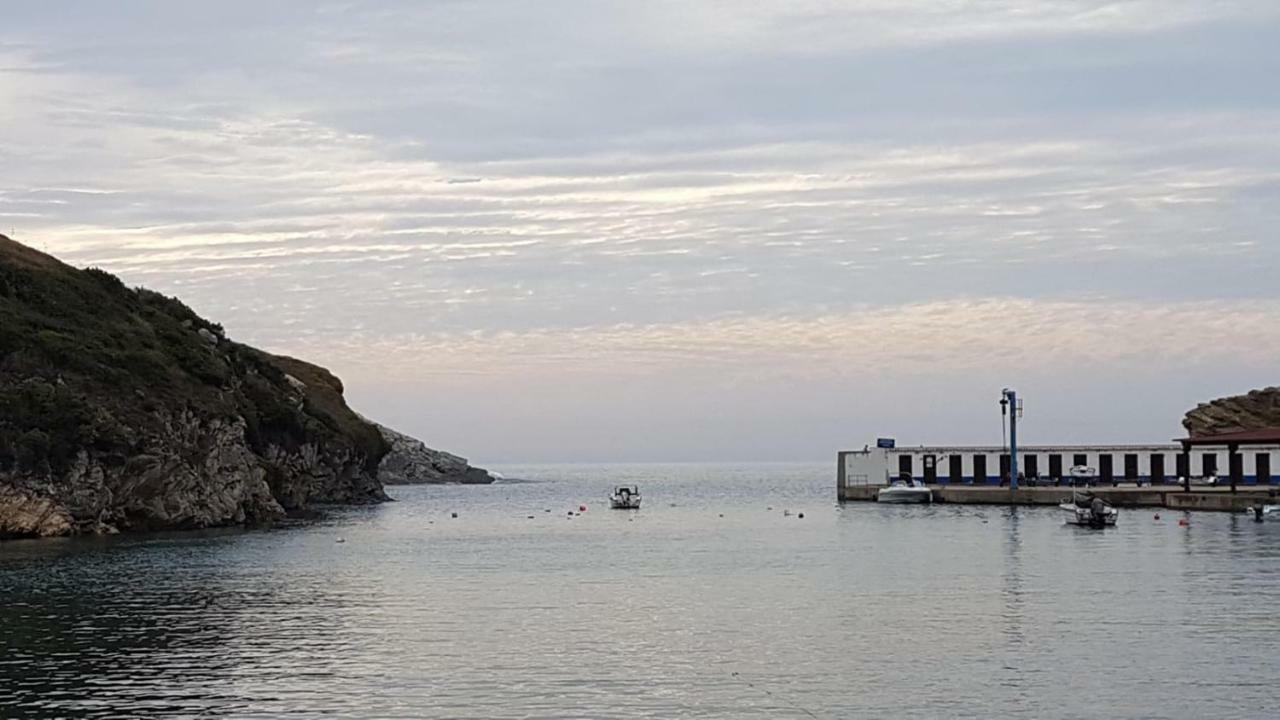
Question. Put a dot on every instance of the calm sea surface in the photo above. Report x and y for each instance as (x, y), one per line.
(708, 603)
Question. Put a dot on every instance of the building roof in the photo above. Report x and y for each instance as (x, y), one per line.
(1025, 449)
(1260, 436)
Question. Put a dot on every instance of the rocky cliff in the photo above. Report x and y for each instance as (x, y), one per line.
(122, 409)
(408, 462)
(1251, 411)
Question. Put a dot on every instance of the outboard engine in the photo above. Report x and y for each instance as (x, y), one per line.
(1097, 513)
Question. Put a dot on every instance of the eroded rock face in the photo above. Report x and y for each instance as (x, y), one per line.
(1251, 411)
(195, 472)
(200, 474)
(192, 472)
(410, 462)
(309, 475)
(26, 514)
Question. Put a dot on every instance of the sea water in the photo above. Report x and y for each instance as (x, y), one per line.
(716, 600)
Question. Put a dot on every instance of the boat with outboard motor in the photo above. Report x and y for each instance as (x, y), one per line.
(625, 497)
(1088, 510)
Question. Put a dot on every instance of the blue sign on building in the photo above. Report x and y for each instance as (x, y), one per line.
(884, 442)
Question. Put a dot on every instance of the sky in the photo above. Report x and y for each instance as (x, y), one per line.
(681, 231)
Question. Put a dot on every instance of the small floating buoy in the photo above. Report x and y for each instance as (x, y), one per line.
(570, 513)
(721, 514)
(453, 514)
(801, 516)
(1157, 516)
(1184, 522)
(529, 517)
(582, 508)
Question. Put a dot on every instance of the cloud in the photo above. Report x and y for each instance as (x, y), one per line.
(496, 189)
(1056, 335)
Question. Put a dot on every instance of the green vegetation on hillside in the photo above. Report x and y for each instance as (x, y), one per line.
(87, 363)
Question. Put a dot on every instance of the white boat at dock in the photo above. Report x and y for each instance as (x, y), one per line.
(1089, 510)
(1083, 475)
(904, 491)
(625, 497)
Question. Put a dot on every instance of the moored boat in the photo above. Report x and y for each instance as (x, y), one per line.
(1088, 510)
(904, 491)
(1083, 475)
(625, 497)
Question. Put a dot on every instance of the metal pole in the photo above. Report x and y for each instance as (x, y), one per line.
(1012, 396)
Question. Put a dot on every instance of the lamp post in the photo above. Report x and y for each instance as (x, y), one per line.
(1011, 397)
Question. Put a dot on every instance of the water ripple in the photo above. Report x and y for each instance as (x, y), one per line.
(718, 607)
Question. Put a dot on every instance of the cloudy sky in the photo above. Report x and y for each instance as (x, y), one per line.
(681, 230)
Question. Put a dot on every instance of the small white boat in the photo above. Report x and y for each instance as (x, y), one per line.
(1089, 510)
(625, 497)
(904, 491)
(1083, 475)
(1271, 512)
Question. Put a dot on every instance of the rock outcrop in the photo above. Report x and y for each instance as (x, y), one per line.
(410, 462)
(1251, 411)
(121, 409)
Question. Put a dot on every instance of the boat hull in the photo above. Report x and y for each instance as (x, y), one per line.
(904, 496)
(1085, 517)
(632, 504)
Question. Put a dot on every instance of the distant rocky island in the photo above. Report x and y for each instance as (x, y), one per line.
(1254, 410)
(122, 409)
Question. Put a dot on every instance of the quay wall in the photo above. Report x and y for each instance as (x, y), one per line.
(1217, 498)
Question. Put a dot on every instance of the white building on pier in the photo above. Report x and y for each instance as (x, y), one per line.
(1246, 458)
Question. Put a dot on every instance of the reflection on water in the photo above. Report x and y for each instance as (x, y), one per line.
(1012, 578)
(707, 603)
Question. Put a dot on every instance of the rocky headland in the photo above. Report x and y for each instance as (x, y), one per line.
(122, 409)
(1254, 410)
(410, 462)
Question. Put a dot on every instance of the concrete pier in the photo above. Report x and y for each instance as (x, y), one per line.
(1166, 496)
